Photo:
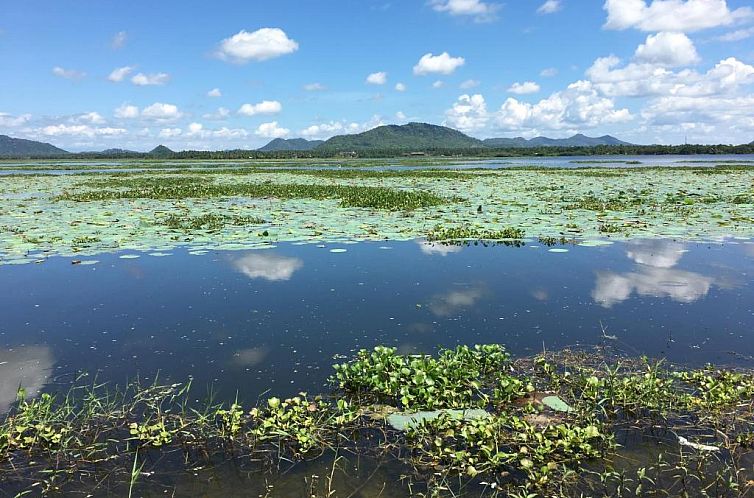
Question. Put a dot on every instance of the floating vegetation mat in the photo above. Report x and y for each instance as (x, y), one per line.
(468, 421)
(243, 208)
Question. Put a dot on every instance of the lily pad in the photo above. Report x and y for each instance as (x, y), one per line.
(404, 420)
(557, 404)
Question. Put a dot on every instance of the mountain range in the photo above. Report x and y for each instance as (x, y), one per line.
(411, 137)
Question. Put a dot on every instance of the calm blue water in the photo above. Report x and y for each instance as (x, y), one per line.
(274, 319)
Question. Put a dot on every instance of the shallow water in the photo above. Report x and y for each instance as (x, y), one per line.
(611, 161)
(253, 321)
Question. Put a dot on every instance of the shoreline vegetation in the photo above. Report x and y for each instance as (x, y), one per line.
(386, 153)
(223, 207)
(469, 421)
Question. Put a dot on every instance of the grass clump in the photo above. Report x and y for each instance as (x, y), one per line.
(440, 233)
(210, 222)
(349, 196)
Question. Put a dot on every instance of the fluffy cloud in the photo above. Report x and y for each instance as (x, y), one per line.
(379, 78)
(549, 7)
(126, 111)
(326, 130)
(215, 92)
(119, 40)
(79, 130)
(438, 64)
(142, 79)
(170, 132)
(260, 45)
(161, 112)
(667, 49)
(271, 130)
(671, 15)
(400, 87)
(468, 114)
(120, 73)
(69, 74)
(480, 11)
(579, 106)
(524, 88)
(468, 84)
(88, 117)
(264, 107)
(643, 80)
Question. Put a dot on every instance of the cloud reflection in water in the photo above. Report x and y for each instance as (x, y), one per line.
(654, 276)
(271, 267)
(27, 367)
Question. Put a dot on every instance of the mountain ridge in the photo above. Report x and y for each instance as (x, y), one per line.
(411, 136)
(290, 144)
(10, 146)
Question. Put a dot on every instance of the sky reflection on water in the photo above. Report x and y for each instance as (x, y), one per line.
(274, 319)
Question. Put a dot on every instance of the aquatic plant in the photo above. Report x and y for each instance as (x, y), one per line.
(350, 196)
(440, 233)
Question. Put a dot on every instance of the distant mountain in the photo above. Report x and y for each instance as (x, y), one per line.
(117, 152)
(578, 140)
(291, 144)
(160, 150)
(410, 137)
(27, 148)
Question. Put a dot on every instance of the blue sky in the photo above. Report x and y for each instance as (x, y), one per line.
(96, 74)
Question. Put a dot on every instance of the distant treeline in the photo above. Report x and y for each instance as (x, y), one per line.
(624, 150)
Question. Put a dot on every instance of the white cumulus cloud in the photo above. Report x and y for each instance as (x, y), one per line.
(667, 49)
(264, 107)
(400, 87)
(126, 111)
(672, 15)
(162, 112)
(378, 78)
(438, 64)
(480, 11)
(524, 88)
(142, 79)
(215, 92)
(271, 130)
(468, 114)
(259, 45)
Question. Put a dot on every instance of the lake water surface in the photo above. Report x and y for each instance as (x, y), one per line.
(274, 320)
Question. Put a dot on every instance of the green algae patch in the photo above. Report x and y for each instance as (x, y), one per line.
(245, 208)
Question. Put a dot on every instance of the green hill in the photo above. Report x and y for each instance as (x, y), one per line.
(578, 140)
(279, 144)
(18, 147)
(161, 151)
(409, 137)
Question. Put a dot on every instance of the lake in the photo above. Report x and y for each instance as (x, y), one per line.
(273, 320)
(158, 327)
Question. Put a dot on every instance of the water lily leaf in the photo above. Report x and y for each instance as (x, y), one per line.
(404, 420)
(557, 404)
